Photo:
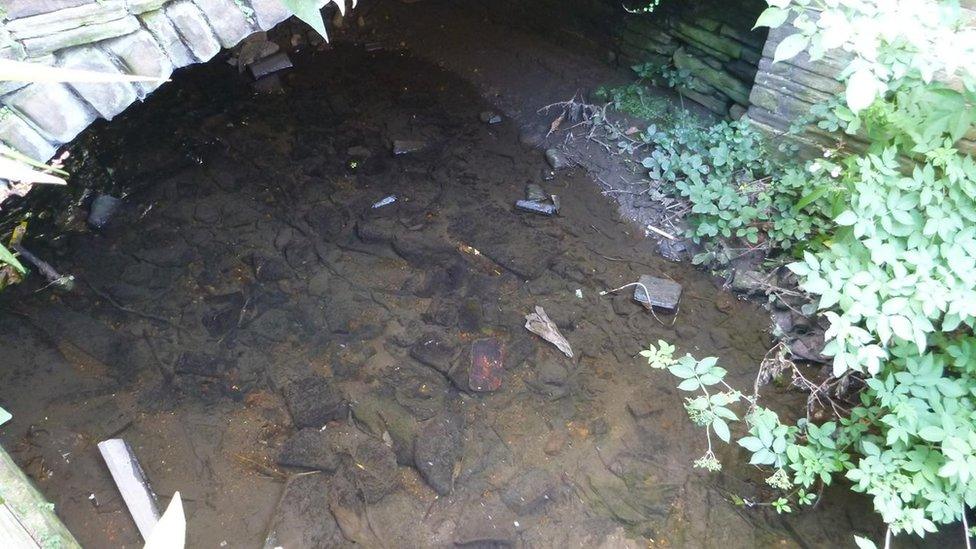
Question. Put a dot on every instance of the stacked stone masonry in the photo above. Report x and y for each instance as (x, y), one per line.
(140, 37)
(716, 48)
(786, 91)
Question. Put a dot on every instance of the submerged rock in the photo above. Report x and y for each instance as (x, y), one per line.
(303, 518)
(310, 449)
(435, 351)
(374, 468)
(486, 523)
(557, 159)
(529, 491)
(662, 292)
(102, 209)
(749, 281)
(437, 451)
(314, 401)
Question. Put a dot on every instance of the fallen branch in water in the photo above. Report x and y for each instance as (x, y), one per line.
(54, 278)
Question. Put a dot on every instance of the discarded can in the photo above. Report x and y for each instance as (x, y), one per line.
(657, 292)
(487, 364)
(385, 202)
(537, 207)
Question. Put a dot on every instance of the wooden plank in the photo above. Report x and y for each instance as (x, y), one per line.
(132, 484)
(25, 514)
(13, 532)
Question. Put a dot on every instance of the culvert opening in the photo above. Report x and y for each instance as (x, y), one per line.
(308, 313)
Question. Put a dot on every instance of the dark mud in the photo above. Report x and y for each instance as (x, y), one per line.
(248, 317)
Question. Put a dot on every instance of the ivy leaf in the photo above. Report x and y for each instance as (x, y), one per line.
(862, 89)
(864, 543)
(308, 11)
(772, 17)
(790, 47)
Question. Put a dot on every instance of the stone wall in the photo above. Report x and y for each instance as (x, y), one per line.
(786, 91)
(144, 37)
(714, 43)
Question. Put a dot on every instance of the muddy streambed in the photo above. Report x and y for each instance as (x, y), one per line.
(248, 317)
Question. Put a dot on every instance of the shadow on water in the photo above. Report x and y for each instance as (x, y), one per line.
(248, 294)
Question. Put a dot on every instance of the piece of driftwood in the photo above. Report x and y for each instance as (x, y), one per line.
(132, 484)
(538, 323)
(26, 520)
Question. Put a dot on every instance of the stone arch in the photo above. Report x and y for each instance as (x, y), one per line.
(144, 37)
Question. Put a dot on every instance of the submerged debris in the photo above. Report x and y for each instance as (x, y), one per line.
(490, 117)
(273, 63)
(132, 483)
(386, 201)
(487, 358)
(539, 324)
(657, 292)
(537, 201)
(537, 207)
(405, 146)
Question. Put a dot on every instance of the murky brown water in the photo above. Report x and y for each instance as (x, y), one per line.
(254, 291)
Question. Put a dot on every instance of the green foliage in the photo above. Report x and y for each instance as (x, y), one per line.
(309, 12)
(635, 99)
(7, 258)
(896, 276)
(735, 188)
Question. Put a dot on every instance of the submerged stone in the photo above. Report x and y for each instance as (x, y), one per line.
(529, 491)
(437, 451)
(313, 402)
(557, 159)
(102, 209)
(535, 193)
(310, 449)
(664, 293)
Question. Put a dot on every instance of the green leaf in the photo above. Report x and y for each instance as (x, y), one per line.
(811, 197)
(931, 433)
(846, 219)
(308, 11)
(772, 17)
(790, 47)
(689, 385)
(752, 444)
(10, 259)
(862, 89)
(864, 543)
(4, 416)
(721, 428)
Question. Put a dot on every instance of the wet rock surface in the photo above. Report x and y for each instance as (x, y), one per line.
(284, 326)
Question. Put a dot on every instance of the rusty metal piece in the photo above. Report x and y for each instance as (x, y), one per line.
(487, 359)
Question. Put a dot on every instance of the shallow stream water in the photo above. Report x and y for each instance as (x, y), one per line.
(248, 317)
